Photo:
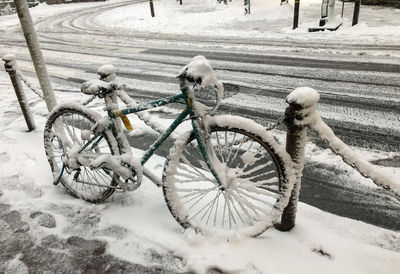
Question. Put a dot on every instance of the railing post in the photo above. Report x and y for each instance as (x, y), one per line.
(302, 103)
(295, 142)
(11, 67)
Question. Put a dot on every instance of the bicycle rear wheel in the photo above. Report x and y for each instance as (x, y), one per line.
(256, 187)
(67, 130)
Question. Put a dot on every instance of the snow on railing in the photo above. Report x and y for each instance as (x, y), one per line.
(308, 98)
(10, 61)
(302, 113)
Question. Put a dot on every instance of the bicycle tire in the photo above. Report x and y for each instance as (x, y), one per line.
(247, 206)
(61, 134)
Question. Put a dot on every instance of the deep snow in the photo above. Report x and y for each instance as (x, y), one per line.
(135, 224)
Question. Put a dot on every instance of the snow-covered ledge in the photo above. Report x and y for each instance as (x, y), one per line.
(308, 98)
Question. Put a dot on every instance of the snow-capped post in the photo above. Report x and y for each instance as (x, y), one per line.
(296, 138)
(357, 4)
(10, 64)
(151, 8)
(36, 54)
(296, 14)
(302, 112)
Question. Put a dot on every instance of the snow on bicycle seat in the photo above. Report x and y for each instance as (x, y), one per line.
(97, 87)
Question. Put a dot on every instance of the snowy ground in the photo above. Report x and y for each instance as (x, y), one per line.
(267, 20)
(377, 25)
(137, 225)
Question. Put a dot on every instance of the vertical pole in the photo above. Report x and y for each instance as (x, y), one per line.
(357, 4)
(296, 14)
(180, 2)
(36, 54)
(295, 142)
(342, 8)
(152, 8)
(11, 67)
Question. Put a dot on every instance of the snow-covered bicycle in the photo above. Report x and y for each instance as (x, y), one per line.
(227, 174)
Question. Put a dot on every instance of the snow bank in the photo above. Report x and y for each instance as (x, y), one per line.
(267, 19)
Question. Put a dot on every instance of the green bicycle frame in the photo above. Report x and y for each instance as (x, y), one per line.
(188, 111)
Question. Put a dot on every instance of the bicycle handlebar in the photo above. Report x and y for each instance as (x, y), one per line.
(199, 71)
(99, 87)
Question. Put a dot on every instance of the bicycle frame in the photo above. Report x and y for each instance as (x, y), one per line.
(188, 111)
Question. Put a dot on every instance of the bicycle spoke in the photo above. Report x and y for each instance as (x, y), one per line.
(259, 176)
(223, 214)
(246, 203)
(257, 168)
(273, 180)
(216, 211)
(191, 190)
(200, 196)
(202, 209)
(69, 130)
(259, 190)
(254, 198)
(219, 147)
(101, 176)
(234, 207)
(230, 215)
(210, 208)
(241, 202)
(231, 149)
(186, 161)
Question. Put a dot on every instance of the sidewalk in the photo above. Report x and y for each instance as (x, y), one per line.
(137, 228)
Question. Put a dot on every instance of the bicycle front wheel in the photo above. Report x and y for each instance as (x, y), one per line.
(253, 169)
(67, 130)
